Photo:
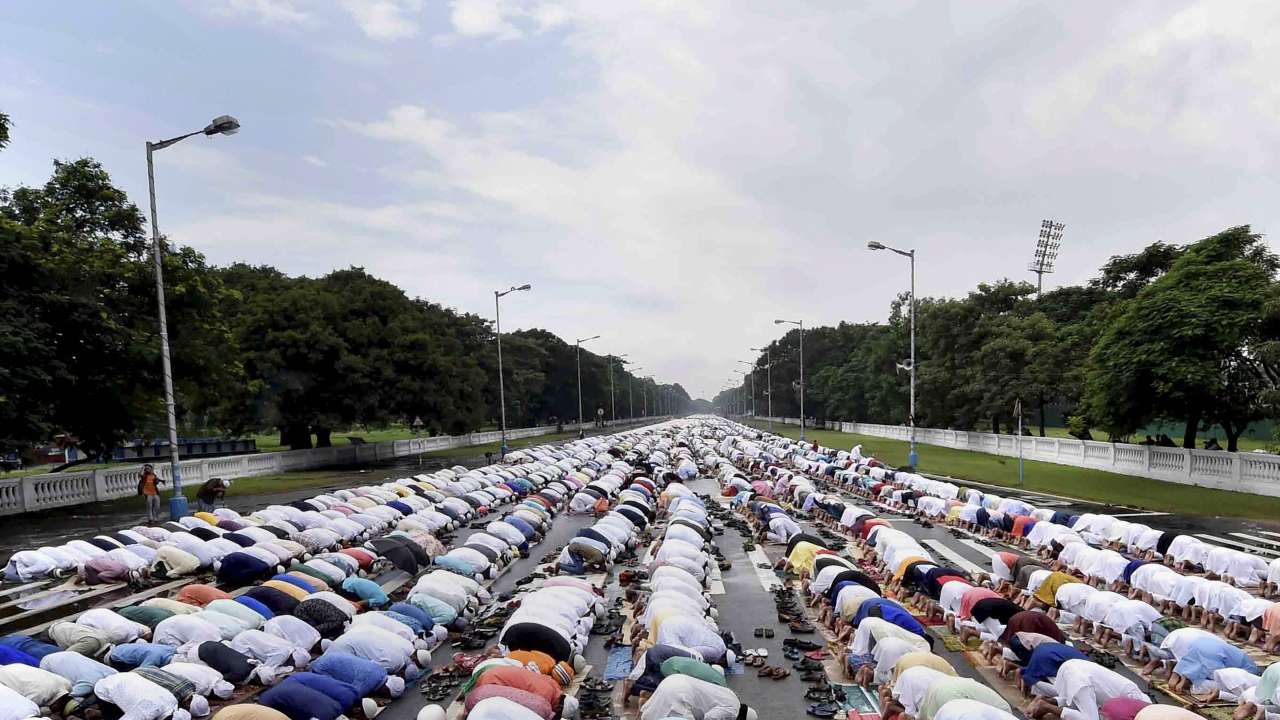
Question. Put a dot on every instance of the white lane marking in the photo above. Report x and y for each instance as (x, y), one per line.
(1225, 541)
(717, 584)
(1254, 538)
(1141, 514)
(953, 556)
(1268, 532)
(766, 577)
(986, 551)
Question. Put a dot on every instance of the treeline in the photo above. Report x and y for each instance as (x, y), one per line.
(253, 349)
(1185, 334)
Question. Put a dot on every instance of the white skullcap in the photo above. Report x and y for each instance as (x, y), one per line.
(431, 712)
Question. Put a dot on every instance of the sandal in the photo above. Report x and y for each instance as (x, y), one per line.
(823, 710)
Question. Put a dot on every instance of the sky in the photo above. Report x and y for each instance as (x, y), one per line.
(670, 175)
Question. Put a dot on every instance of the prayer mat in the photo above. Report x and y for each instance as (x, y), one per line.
(619, 664)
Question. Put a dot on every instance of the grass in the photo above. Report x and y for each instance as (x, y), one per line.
(1082, 483)
(42, 469)
(270, 442)
(1246, 444)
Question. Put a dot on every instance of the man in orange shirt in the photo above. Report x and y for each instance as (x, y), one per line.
(149, 488)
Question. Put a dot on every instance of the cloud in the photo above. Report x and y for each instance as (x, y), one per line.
(727, 159)
(499, 19)
(271, 12)
(314, 161)
(385, 20)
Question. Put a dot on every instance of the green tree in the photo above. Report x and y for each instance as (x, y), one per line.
(1187, 346)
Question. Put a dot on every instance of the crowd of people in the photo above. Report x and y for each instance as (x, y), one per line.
(880, 602)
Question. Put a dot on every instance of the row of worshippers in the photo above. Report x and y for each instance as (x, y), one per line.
(1027, 633)
(679, 668)
(1104, 575)
(540, 647)
(216, 641)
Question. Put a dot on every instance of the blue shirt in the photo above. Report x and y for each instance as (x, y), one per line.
(82, 671)
(365, 676)
(1046, 659)
(142, 654)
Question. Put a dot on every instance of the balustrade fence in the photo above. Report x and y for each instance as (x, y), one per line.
(41, 492)
(1257, 473)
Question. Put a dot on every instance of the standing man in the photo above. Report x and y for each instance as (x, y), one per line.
(149, 488)
(210, 493)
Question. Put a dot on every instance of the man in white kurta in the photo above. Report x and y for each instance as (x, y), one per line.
(682, 696)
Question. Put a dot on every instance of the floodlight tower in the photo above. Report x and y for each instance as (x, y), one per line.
(1046, 251)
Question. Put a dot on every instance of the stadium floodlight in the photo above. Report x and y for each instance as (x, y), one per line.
(1046, 253)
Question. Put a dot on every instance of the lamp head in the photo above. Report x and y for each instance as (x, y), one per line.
(525, 286)
(873, 245)
(223, 125)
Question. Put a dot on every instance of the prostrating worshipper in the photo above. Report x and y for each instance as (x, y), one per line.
(683, 696)
(1079, 690)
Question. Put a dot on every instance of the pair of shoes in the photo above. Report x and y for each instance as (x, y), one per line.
(823, 709)
(776, 672)
(800, 644)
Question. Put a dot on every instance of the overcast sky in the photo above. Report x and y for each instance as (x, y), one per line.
(669, 175)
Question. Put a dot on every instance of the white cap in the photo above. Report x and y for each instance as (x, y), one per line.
(431, 712)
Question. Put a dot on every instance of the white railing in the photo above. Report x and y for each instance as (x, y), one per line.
(41, 492)
(1257, 473)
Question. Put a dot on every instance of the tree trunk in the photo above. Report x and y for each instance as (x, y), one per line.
(995, 424)
(1233, 435)
(1189, 435)
(1042, 404)
(323, 437)
(299, 436)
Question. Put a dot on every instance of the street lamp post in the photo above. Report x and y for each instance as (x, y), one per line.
(753, 385)
(221, 125)
(630, 398)
(578, 355)
(613, 406)
(768, 381)
(799, 324)
(502, 397)
(913, 458)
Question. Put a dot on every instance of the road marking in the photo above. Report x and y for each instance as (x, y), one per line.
(1225, 541)
(717, 584)
(1141, 514)
(767, 579)
(1254, 538)
(1268, 532)
(953, 556)
(986, 551)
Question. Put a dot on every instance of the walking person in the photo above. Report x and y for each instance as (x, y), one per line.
(149, 487)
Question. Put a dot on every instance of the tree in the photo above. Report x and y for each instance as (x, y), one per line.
(1187, 346)
(4, 131)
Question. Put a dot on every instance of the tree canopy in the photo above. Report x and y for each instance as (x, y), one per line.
(1173, 333)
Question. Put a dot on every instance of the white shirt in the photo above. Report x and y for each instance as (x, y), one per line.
(683, 696)
(137, 697)
(117, 627)
(1083, 686)
(296, 631)
(966, 709)
(387, 649)
(14, 706)
(912, 685)
(35, 684)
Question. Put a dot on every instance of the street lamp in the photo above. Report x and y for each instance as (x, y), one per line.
(631, 375)
(913, 458)
(799, 324)
(613, 406)
(221, 125)
(768, 382)
(502, 398)
(578, 354)
(753, 385)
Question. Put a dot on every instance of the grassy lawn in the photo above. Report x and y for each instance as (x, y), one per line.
(1247, 444)
(1082, 483)
(43, 469)
(271, 442)
(474, 450)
